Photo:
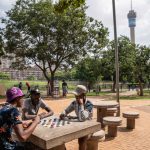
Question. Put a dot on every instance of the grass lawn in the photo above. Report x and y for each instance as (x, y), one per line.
(136, 97)
(10, 83)
(41, 84)
(42, 87)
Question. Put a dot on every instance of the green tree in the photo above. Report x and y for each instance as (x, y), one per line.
(97, 36)
(38, 34)
(62, 5)
(67, 74)
(89, 70)
(1, 48)
(4, 76)
(31, 78)
(142, 66)
(126, 61)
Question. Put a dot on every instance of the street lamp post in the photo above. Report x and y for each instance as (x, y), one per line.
(116, 55)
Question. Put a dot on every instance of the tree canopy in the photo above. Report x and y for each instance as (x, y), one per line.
(62, 5)
(89, 70)
(51, 40)
(1, 48)
(126, 59)
(142, 66)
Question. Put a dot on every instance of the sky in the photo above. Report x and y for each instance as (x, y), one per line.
(102, 11)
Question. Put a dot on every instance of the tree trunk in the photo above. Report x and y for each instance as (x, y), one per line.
(52, 83)
(114, 86)
(114, 83)
(141, 88)
(49, 88)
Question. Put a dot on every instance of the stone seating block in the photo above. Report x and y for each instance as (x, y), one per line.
(92, 143)
(131, 116)
(111, 111)
(112, 123)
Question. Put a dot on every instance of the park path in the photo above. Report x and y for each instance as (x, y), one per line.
(138, 139)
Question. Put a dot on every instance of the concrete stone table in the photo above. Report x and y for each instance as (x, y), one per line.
(48, 138)
(102, 109)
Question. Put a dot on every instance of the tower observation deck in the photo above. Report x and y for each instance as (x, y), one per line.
(132, 23)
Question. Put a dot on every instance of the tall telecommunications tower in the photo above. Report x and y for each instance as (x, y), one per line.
(132, 23)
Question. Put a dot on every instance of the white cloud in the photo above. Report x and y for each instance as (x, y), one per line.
(102, 11)
(6, 4)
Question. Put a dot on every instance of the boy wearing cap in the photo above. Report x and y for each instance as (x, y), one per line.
(82, 107)
(31, 106)
(10, 120)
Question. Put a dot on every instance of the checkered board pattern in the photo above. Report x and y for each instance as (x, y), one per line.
(53, 122)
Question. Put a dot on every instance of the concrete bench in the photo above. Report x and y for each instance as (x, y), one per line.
(92, 143)
(112, 123)
(111, 111)
(131, 116)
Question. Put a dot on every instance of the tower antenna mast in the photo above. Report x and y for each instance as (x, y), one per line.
(131, 4)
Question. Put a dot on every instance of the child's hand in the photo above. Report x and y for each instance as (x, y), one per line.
(62, 116)
(80, 101)
(26, 123)
(37, 119)
(41, 115)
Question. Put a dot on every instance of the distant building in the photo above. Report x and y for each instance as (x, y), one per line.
(19, 74)
(6, 63)
(132, 23)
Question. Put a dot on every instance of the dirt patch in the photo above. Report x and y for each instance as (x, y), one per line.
(143, 108)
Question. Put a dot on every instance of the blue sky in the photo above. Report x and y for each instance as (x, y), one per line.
(102, 11)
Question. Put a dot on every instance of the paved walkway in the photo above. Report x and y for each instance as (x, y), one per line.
(138, 139)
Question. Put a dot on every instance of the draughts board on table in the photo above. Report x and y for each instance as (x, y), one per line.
(53, 122)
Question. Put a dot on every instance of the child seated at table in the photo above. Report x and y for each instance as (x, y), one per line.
(31, 106)
(10, 119)
(82, 107)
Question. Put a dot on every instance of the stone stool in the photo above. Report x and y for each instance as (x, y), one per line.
(111, 111)
(112, 123)
(131, 116)
(92, 143)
